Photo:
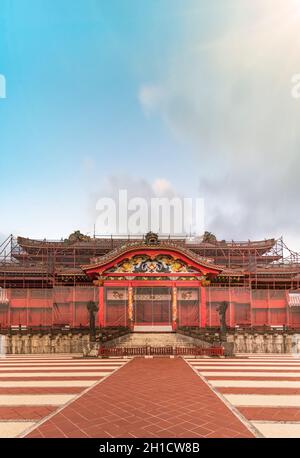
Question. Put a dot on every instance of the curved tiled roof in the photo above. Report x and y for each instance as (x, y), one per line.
(25, 242)
(165, 245)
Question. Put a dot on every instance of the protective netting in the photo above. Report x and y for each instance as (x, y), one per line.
(248, 307)
(188, 306)
(61, 306)
(152, 305)
(30, 307)
(214, 296)
(47, 307)
(269, 307)
(115, 306)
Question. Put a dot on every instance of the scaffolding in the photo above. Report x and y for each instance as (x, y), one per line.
(45, 263)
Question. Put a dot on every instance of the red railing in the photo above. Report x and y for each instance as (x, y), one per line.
(124, 351)
(161, 351)
(199, 351)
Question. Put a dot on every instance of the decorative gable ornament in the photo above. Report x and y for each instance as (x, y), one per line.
(151, 239)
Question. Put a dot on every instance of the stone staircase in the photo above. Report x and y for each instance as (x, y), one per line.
(136, 339)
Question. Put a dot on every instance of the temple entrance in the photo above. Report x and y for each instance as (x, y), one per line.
(152, 308)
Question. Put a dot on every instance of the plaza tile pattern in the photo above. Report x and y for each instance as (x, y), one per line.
(34, 386)
(264, 388)
(148, 398)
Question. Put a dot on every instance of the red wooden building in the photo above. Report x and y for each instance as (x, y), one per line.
(148, 284)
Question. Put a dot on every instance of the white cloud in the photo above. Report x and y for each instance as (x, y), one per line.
(229, 98)
(151, 97)
(135, 188)
(163, 187)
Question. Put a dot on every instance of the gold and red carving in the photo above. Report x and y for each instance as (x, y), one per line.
(99, 281)
(152, 297)
(184, 294)
(120, 294)
(130, 303)
(152, 264)
(174, 304)
(205, 281)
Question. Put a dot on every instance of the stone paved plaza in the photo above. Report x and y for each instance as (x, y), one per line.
(62, 396)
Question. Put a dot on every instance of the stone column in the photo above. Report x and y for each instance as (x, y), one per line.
(254, 347)
(239, 346)
(278, 343)
(249, 343)
(9, 349)
(3, 345)
(58, 346)
(270, 347)
(174, 308)
(47, 344)
(245, 342)
(68, 343)
(288, 343)
(19, 344)
(79, 343)
(35, 343)
(85, 344)
(265, 343)
(259, 343)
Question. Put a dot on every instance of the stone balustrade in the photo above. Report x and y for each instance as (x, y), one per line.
(244, 342)
(38, 343)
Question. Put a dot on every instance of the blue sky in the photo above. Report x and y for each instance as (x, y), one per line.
(73, 71)
(135, 91)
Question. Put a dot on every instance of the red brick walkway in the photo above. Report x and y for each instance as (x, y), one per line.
(158, 397)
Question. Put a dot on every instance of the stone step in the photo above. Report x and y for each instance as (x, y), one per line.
(154, 340)
(164, 328)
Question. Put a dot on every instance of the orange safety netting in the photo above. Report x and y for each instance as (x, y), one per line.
(68, 306)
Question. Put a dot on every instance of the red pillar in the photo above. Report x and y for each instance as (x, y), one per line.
(52, 310)
(27, 307)
(101, 306)
(9, 310)
(202, 307)
(269, 309)
(130, 307)
(174, 307)
(231, 311)
(287, 309)
(72, 308)
(231, 315)
(251, 307)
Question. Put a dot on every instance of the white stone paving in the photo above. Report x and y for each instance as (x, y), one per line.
(246, 364)
(59, 368)
(277, 367)
(287, 430)
(264, 400)
(74, 364)
(9, 429)
(249, 366)
(46, 383)
(36, 399)
(54, 374)
(249, 374)
(49, 367)
(255, 383)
